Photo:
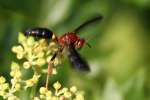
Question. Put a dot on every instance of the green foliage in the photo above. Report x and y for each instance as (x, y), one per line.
(119, 57)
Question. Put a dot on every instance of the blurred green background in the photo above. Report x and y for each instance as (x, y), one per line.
(120, 53)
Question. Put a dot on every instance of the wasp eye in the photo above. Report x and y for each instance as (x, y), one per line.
(79, 43)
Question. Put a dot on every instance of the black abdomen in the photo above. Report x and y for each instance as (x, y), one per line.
(39, 32)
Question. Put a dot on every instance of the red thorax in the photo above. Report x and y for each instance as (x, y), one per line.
(71, 38)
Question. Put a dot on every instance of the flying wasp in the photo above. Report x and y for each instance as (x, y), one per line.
(70, 40)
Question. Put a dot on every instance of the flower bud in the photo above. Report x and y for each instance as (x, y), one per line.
(73, 89)
(26, 65)
(43, 90)
(2, 80)
(57, 85)
(67, 94)
(30, 41)
(21, 37)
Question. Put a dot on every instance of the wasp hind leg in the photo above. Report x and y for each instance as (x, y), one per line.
(50, 68)
(49, 72)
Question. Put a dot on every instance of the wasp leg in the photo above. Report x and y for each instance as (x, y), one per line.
(49, 72)
(50, 68)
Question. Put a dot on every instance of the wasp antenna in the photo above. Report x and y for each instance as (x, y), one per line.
(88, 22)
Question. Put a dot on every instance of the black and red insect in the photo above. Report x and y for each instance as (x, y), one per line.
(69, 40)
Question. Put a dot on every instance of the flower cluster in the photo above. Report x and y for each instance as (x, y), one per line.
(35, 54)
(60, 93)
(6, 90)
(3, 86)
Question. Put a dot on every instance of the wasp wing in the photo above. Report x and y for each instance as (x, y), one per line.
(75, 59)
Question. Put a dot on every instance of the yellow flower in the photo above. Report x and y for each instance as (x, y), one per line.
(57, 85)
(20, 55)
(16, 74)
(43, 90)
(73, 89)
(48, 93)
(35, 78)
(12, 98)
(61, 93)
(30, 41)
(64, 90)
(14, 66)
(14, 81)
(40, 54)
(54, 71)
(49, 58)
(2, 80)
(79, 96)
(2, 93)
(29, 83)
(55, 98)
(67, 94)
(5, 86)
(40, 61)
(17, 49)
(42, 96)
(17, 86)
(56, 61)
(36, 54)
(21, 37)
(32, 81)
(36, 98)
(26, 65)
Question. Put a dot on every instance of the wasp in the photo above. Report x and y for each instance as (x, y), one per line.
(69, 40)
